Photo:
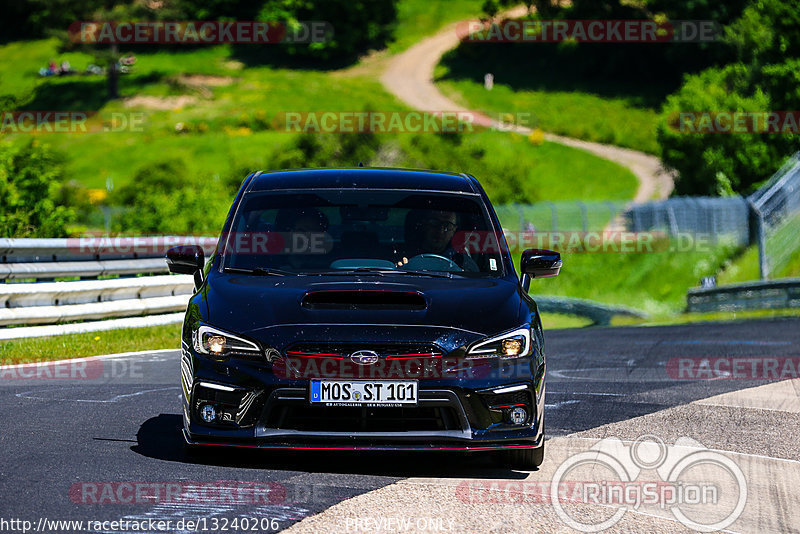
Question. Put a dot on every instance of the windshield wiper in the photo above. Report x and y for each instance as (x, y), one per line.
(380, 271)
(261, 271)
(377, 271)
(434, 274)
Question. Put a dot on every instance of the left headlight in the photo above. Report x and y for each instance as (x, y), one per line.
(220, 344)
(513, 344)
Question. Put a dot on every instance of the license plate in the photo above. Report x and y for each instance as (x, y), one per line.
(363, 393)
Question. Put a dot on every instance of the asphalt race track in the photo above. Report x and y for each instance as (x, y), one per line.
(101, 448)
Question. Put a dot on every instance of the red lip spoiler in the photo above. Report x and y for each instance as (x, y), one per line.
(359, 448)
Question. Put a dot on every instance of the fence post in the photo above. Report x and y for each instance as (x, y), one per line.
(612, 210)
(761, 239)
(555, 217)
(584, 216)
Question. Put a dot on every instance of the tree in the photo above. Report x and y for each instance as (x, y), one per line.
(105, 55)
(355, 25)
(765, 40)
(767, 32)
(30, 179)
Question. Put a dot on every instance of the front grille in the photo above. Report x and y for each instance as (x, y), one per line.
(289, 409)
(361, 419)
(344, 350)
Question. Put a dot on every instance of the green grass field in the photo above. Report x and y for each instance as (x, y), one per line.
(37, 349)
(652, 282)
(227, 121)
(564, 90)
(745, 266)
(573, 114)
(417, 19)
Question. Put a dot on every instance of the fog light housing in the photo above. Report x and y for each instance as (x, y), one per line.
(208, 413)
(518, 415)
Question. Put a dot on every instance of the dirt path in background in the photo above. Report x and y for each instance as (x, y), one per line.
(409, 76)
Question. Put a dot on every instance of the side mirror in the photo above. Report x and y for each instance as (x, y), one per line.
(538, 263)
(187, 259)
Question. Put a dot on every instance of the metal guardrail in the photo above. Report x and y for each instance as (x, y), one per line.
(600, 314)
(89, 257)
(51, 302)
(15, 250)
(773, 294)
(83, 269)
(130, 295)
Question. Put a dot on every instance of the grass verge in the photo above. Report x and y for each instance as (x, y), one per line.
(652, 282)
(49, 348)
(689, 318)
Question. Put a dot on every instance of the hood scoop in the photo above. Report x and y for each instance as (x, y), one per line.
(363, 300)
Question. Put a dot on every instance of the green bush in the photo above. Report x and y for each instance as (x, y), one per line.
(163, 199)
(30, 182)
(504, 180)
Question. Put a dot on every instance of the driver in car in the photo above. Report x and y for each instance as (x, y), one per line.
(431, 232)
(305, 229)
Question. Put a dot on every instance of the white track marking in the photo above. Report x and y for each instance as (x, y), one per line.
(115, 398)
(91, 358)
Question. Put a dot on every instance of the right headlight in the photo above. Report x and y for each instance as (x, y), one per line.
(513, 344)
(220, 344)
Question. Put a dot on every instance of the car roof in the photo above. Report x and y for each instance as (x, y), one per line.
(362, 178)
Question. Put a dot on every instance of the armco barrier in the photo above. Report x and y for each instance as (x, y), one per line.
(771, 294)
(89, 257)
(90, 298)
(54, 302)
(599, 313)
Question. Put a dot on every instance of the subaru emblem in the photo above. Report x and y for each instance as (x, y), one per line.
(364, 357)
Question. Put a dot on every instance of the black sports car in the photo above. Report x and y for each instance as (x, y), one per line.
(364, 309)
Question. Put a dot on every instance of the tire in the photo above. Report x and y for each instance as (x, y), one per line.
(523, 459)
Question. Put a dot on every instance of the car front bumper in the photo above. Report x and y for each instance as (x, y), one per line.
(262, 410)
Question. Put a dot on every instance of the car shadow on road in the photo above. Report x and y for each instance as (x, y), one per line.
(160, 438)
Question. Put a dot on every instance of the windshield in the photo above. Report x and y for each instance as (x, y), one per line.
(345, 231)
